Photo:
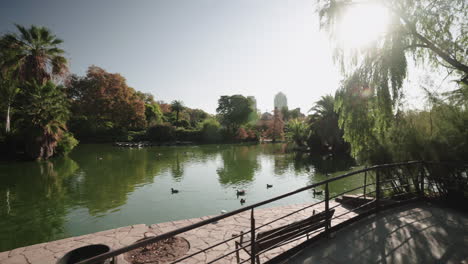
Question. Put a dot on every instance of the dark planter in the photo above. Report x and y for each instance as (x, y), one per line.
(86, 252)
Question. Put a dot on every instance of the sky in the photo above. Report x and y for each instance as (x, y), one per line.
(194, 51)
(199, 50)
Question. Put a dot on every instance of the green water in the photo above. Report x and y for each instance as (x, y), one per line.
(99, 187)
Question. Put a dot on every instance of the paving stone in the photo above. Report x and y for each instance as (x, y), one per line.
(4, 255)
(17, 259)
(199, 238)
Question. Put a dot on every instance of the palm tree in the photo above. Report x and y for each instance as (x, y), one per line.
(177, 106)
(43, 117)
(297, 131)
(324, 124)
(8, 91)
(32, 55)
(325, 107)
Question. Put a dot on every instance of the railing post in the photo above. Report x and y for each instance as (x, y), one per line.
(377, 190)
(327, 207)
(365, 182)
(252, 237)
(422, 180)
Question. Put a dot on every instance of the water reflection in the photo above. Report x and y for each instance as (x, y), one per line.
(239, 164)
(34, 202)
(100, 186)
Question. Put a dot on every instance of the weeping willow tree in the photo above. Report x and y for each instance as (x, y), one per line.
(432, 33)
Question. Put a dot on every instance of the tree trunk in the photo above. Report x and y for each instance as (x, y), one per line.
(7, 125)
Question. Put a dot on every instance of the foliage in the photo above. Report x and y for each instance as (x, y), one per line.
(161, 133)
(241, 134)
(66, 144)
(32, 55)
(297, 131)
(105, 102)
(8, 92)
(177, 106)
(196, 116)
(325, 136)
(234, 111)
(437, 134)
(211, 130)
(42, 116)
(431, 32)
(191, 135)
(153, 112)
(275, 129)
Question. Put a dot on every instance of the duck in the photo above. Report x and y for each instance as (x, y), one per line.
(269, 185)
(242, 201)
(317, 192)
(223, 211)
(240, 192)
(174, 190)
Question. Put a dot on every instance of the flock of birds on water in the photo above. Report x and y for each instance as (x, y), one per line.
(243, 192)
(238, 192)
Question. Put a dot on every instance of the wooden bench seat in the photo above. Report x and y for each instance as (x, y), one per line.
(275, 237)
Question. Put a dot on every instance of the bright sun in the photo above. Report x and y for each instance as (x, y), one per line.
(361, 25)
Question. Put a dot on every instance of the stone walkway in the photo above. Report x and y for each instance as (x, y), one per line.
(416, 233)
(199, 238)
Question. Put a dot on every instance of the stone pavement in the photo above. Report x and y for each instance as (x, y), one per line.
(199, 238)
(416, 233)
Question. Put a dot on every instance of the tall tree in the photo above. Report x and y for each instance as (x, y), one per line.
(43, 116)
(234, 111)
(431, 32)
(324, 127)
(276, 127)
(8, 92)
(297, 131)
(33, 55)
(177, 106)
(105, 101)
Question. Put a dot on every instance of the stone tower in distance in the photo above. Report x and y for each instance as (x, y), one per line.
(280, 101)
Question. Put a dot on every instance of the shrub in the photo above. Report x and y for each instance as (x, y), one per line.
(188, 134)
(161, 133)
(210, 131)
(137, 135)
(66, 144)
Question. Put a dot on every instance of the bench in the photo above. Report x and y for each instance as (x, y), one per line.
(276, 237)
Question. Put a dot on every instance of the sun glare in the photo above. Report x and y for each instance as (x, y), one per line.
(361, 25)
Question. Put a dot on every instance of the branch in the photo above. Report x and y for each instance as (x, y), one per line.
(445, 56)
(416, 46)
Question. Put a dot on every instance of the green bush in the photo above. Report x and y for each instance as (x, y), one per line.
(210, 131)
(66, 144)
(161, 133)
(183, 134)
(137, 135)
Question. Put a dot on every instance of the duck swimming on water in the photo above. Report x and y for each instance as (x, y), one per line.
(240, 192)
(174, 190)
(317, 192)
(269, 186)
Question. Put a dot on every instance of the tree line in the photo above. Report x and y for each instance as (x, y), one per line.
(47, 110)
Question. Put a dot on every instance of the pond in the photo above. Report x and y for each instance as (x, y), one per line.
(100, 187)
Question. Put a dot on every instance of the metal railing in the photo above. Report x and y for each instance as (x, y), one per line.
(383, 185)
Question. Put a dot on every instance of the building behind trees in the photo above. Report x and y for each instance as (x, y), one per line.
(280, 101)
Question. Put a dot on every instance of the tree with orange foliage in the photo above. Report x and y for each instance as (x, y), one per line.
(275, 129)
(105, 101)
(242, 134)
